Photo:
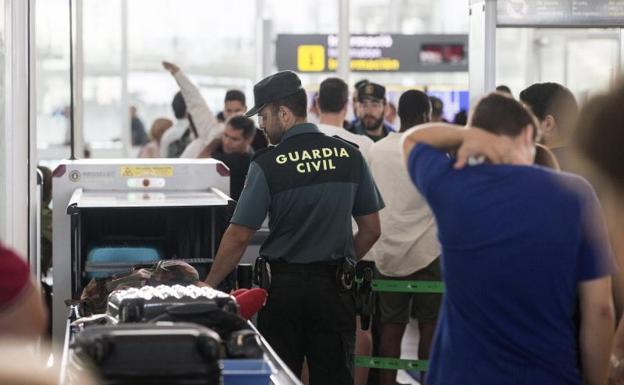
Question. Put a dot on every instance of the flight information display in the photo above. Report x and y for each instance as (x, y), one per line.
(374, 53)
(560, 13)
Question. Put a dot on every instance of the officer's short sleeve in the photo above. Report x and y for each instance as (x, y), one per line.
(367, 197)
(254, 201)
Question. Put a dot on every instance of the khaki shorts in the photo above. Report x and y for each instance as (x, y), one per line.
(398, 307)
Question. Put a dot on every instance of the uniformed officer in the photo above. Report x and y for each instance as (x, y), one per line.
(371, 108)
(311, 185)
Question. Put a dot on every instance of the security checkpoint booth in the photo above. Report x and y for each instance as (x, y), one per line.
(111, 216)
(170, 208)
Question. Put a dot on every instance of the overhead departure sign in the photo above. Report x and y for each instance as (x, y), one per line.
(374, 53)
(560, 13)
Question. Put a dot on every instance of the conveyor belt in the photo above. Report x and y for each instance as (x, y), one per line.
(282, 376)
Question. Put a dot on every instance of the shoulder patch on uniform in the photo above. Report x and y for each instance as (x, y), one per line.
(261, 152)
(346, 141)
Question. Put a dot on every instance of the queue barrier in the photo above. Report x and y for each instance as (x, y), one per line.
(390, 363)
(396, 286)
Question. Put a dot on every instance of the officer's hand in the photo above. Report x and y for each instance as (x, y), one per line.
(201, 284)
(616, 372)
(170, 67)
(477, 143)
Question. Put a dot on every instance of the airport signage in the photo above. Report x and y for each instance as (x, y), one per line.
(374, 53)
(560, 13)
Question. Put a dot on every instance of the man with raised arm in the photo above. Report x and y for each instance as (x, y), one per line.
(526, 264)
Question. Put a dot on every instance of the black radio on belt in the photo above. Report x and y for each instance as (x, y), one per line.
(262, 273)
(345, 274)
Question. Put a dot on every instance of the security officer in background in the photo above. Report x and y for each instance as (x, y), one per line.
(371, 111)
(311, 185)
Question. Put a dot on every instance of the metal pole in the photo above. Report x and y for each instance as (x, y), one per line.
(482, 43)
(268, 48)
(394, 16)
(265, 56)
(17, 159)
(125, 123)
(34, 199)
(72, 130)
(78, 64)
(344, 44)
(620, 64)
(260, 53)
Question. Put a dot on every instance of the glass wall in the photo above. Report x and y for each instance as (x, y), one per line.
(585, 60)
(213, 42)
(217, 44)
(52, 78)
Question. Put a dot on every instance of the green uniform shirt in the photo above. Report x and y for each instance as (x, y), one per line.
(310, 185)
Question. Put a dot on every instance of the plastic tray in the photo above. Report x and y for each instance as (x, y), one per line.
(246, 372)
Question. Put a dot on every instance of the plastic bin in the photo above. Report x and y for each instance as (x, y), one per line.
(246, 372)
(103, 262)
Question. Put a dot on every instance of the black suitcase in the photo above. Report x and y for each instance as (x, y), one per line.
(151, 353)
(148, 302)
(225, 324)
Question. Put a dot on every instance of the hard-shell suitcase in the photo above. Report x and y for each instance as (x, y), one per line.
(148, 302)
(151, 353)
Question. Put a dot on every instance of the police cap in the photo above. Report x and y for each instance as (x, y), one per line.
(371, 91)
(273, 88)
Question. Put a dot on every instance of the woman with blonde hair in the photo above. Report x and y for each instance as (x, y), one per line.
(152, 148)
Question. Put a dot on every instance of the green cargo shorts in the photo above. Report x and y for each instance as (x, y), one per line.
(398, 307)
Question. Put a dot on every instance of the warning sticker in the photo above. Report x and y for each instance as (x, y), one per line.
(146, 171)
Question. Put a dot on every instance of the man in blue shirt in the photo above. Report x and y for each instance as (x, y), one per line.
(523, 252)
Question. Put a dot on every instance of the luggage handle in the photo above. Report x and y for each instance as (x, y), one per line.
(192, 308)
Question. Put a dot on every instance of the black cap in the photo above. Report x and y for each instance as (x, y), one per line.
(359, 83)
(371, 91)
(274, 87)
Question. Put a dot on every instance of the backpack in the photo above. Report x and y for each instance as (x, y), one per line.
(177, 147)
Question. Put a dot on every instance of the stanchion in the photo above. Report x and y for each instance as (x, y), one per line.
(395, 286)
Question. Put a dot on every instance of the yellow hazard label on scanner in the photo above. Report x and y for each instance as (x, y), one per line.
(311, 58)
(146, 171)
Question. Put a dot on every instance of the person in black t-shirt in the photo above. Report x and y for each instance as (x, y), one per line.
(234, 149)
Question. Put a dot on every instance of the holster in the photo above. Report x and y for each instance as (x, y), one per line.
(262, 273)
(365, 297)
(345, 274)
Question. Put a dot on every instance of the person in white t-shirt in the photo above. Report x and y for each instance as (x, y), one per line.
(408, 248)
(205, 122)
(332, 102)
